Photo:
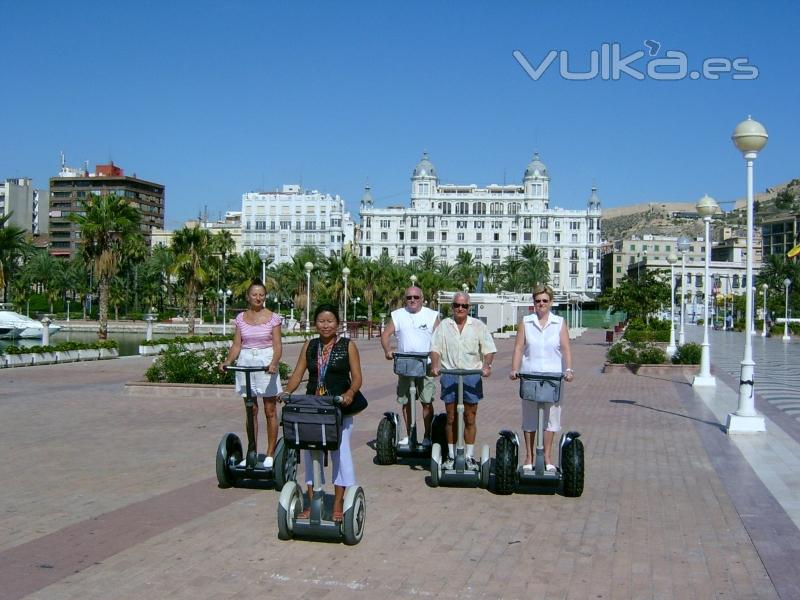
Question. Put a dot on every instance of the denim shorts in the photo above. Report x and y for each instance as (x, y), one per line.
(473, 388)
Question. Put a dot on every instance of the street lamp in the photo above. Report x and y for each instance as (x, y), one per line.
(264, 255)
(224, 297)
(684, 243)
(413, 279)
(750, 137)
(345, 275)
(355, 301)
(764, 287)
(753, 317)
(786, 283)
(706, 207)
(309, 266)
(671, 348)
(200, 302)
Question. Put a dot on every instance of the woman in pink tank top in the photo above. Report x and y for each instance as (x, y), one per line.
(257, 342)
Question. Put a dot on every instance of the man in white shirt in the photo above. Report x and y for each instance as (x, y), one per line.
(462, 342)
(413, 325)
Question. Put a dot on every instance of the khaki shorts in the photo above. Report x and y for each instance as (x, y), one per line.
(426, 389)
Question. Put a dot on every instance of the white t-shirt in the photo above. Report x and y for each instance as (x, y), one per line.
(414, 330)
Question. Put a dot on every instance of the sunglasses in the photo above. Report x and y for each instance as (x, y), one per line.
(543, 301)
(412, 297)
(459, 305)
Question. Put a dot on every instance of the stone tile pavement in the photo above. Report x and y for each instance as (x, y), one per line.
(108, 494)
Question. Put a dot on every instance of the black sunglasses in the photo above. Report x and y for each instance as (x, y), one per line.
(542, 301)
(459, 305)
(412, 297)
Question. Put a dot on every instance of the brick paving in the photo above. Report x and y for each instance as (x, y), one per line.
(96, 478)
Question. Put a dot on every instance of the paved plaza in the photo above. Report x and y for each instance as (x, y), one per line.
(110, 492)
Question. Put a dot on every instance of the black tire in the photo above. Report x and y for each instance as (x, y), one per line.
(384, 442)
(439, 434)
(229, 452)
(286, 460)
(286, 518)
(505, 466)
(354, 519)
(572, 468)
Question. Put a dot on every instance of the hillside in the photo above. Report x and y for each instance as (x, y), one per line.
(666, 218)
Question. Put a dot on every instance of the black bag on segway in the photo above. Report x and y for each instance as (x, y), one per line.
(312, 423)
(540, 387)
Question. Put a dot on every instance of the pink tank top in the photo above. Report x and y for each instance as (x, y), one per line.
(257, 336)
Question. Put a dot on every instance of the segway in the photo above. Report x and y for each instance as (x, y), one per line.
(460, 474)
(387, 441)
(230, 471)
(315, 423)
(542, 388)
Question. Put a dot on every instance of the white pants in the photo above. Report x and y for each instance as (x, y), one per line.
(344, 473)
(530, 416)
(261, 383)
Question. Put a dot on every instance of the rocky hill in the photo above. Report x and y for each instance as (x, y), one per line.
(676, 218)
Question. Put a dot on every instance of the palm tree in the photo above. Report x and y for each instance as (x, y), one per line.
(12, 247)
(427, 261)
(105, 223)
(243, 268)
(512, 273)
(466, 269)
(536, 268)
(193, 250)
(48, 272)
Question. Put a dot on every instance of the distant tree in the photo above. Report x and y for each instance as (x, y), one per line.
(193, 249)
(640, 297)
(785, 200)
(13, 247)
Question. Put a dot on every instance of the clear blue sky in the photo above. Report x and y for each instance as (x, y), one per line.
(214, 99)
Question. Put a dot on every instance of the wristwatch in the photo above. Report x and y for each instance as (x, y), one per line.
(569, 371)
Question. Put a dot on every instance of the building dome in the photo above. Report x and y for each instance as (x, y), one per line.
(366, 198)
(424, 167)
(535, 168)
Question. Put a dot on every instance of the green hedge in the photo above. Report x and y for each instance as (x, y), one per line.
(191, 339)
(65, 347)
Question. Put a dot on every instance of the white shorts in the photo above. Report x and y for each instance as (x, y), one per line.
(261, 383)
(530, 416)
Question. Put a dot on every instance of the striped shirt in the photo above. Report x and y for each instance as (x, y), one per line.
(257, 336)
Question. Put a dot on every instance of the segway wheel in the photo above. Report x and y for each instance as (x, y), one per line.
(229, 452)
(354, 519)
(384, 442)
(285, 464)
(289, 507)
(572, 468)
(486, 465)
(439, 433)
(436, 465)
(505, 466)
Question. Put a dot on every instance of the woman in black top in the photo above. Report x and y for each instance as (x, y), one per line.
(334, 369)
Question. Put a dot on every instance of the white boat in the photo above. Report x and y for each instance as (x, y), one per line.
(14, 325)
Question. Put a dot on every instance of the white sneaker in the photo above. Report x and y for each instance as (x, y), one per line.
(243, 463)
(404, 441)
(448, 464)
(426, 443)
(268, 462)
(472, 463)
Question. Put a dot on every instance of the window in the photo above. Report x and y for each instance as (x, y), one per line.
(478, 237)
(414, 221)
(574, 238)
(461, 224)
(513, 237)
(478, 253)
(543, 223)
(591, 253)
(460, 237)
(573, 268)
(573, 255)
(430, 235)
(444, 236)
(384, 236)
(619, 257)
(443, 251)
(414, 236)
(431, 221)
(526, 236)
(542, 237)
(496, 208)
(462, 208)
(401, 235)
(298, 225)
(513, 208)
(286, 225)
(479, 208)
(557, 238)
(413, 251)
(385, 223)
(557, 267)
(261, 225)
(557, 253)
(574, 225)
(526, 222)
(573, 282)
(496, 253)
(446, 209)
(496, 237)
(497, 224)
(478, 224)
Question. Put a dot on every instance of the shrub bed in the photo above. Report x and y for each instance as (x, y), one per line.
(180, 365)
(65, 347)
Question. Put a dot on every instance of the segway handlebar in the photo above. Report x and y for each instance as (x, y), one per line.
(244, 369)
(461, 372)
(419, 355)
(287, 398)
(541, 376)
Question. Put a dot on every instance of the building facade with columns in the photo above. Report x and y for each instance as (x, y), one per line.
(492, 223)
(284, 221)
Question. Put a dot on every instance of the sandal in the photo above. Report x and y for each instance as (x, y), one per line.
(550, 468)
(305, 514)
(338, 516)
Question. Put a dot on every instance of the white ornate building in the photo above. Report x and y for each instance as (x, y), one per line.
(284, 221)
(491, 223)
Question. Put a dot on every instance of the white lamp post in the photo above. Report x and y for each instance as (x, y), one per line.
(355, 301)
(309, 266)
(706, 207)
(345, 275)
(750, 137)
(200, 302)
(224, 297)
(413, 279)
(764, 287)
(264, 255)
(684, 243)
(671, 348)
(786, 337)
(753, 316)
